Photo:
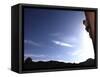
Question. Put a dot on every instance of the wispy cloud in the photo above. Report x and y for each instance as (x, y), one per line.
(63, 37)
(62, 43)
(32, 43)
(34, 55)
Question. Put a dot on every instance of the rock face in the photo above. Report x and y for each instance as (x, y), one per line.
(90, 24)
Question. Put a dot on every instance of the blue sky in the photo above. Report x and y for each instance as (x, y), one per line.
(56, 35)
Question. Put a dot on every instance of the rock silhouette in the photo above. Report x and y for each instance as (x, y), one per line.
(28, 60)
(31, 65)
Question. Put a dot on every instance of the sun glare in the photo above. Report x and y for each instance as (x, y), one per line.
(87, 46)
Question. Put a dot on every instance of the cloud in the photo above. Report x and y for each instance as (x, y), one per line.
(64, 37)
(32, 43)
(62, 43)
(34, 55)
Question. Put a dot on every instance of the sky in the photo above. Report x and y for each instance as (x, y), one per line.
(57, 35)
